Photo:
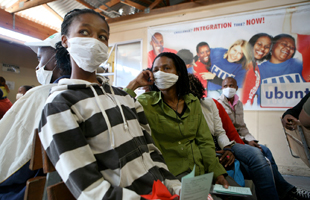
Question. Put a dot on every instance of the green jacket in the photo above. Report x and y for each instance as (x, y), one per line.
(181, 140)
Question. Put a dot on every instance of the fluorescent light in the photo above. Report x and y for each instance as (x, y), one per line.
(17, 36)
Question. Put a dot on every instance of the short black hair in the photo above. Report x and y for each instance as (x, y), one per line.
(200, 45)
(2, 80)
(183, 81)
(196, 87)
(186, 55)
(283, 35)
(27, 87)
(63, 60)
(254, 39)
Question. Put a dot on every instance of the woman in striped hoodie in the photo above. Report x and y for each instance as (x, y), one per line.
(96, 135)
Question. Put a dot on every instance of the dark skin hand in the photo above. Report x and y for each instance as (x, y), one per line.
(289, 122)
(253, 144)
(227, 158)
(145, 78)
(222, 181)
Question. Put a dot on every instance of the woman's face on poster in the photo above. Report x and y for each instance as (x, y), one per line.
(283, 49)
(235, 54)
(262, 47)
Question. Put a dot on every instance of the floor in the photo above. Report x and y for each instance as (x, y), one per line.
(298, 181)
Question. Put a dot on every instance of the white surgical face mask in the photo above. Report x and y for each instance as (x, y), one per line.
(229, 92)
(19, 95)
(44, 76)
(88, 53)
(165, 80)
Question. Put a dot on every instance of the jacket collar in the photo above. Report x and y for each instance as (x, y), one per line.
(188, 99)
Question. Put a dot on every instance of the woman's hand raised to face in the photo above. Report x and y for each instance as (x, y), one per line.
(143, 79)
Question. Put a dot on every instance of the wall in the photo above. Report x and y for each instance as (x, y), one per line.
(264, 125)
(25, 58)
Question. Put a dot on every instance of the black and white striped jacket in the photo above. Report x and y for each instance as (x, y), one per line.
(99, 141)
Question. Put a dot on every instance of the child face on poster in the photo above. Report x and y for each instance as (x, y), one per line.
(262, 47)
(234, 54)
(282, 50)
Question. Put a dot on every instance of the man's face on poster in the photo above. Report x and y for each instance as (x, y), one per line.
(283, 49)
(157, 43)
(204, 54)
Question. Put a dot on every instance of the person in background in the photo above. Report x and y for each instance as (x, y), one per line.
(188, 58)
(157, 44)
(203, 64)
(96, 135)
(5, 104)
(230, 145)
(22, 91)
(19, 123)
(175, 117)
(234, 109)
(260, 46)
(47, 71)
(3, 86)
(304, 116)
(291, 116)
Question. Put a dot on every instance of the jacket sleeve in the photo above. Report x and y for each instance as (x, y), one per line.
(295, 111)
(242, 128)
(70, 153)
(206, 146)
(220, 134)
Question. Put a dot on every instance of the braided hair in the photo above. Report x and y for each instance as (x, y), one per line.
(183, 81)
(70, 16)
(196, 87)
(62, 55)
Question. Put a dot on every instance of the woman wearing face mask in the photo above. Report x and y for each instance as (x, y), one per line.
(96, 135)
(22, 90)
(228, 63)
(282, 67)
(260, 46)
(176, 120)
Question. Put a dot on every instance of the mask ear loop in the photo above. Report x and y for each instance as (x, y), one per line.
(49, 61)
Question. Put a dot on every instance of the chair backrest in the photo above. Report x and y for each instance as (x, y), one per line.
(298, 142)
(36, 186)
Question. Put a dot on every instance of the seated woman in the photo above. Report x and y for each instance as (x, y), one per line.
(97, 136)
(178, 127)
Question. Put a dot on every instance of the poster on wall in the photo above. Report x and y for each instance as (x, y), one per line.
(267, 52)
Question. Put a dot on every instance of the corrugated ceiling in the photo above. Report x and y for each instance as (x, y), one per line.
(44, 16)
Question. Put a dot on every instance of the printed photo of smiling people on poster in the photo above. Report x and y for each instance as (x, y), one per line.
(267, 52)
